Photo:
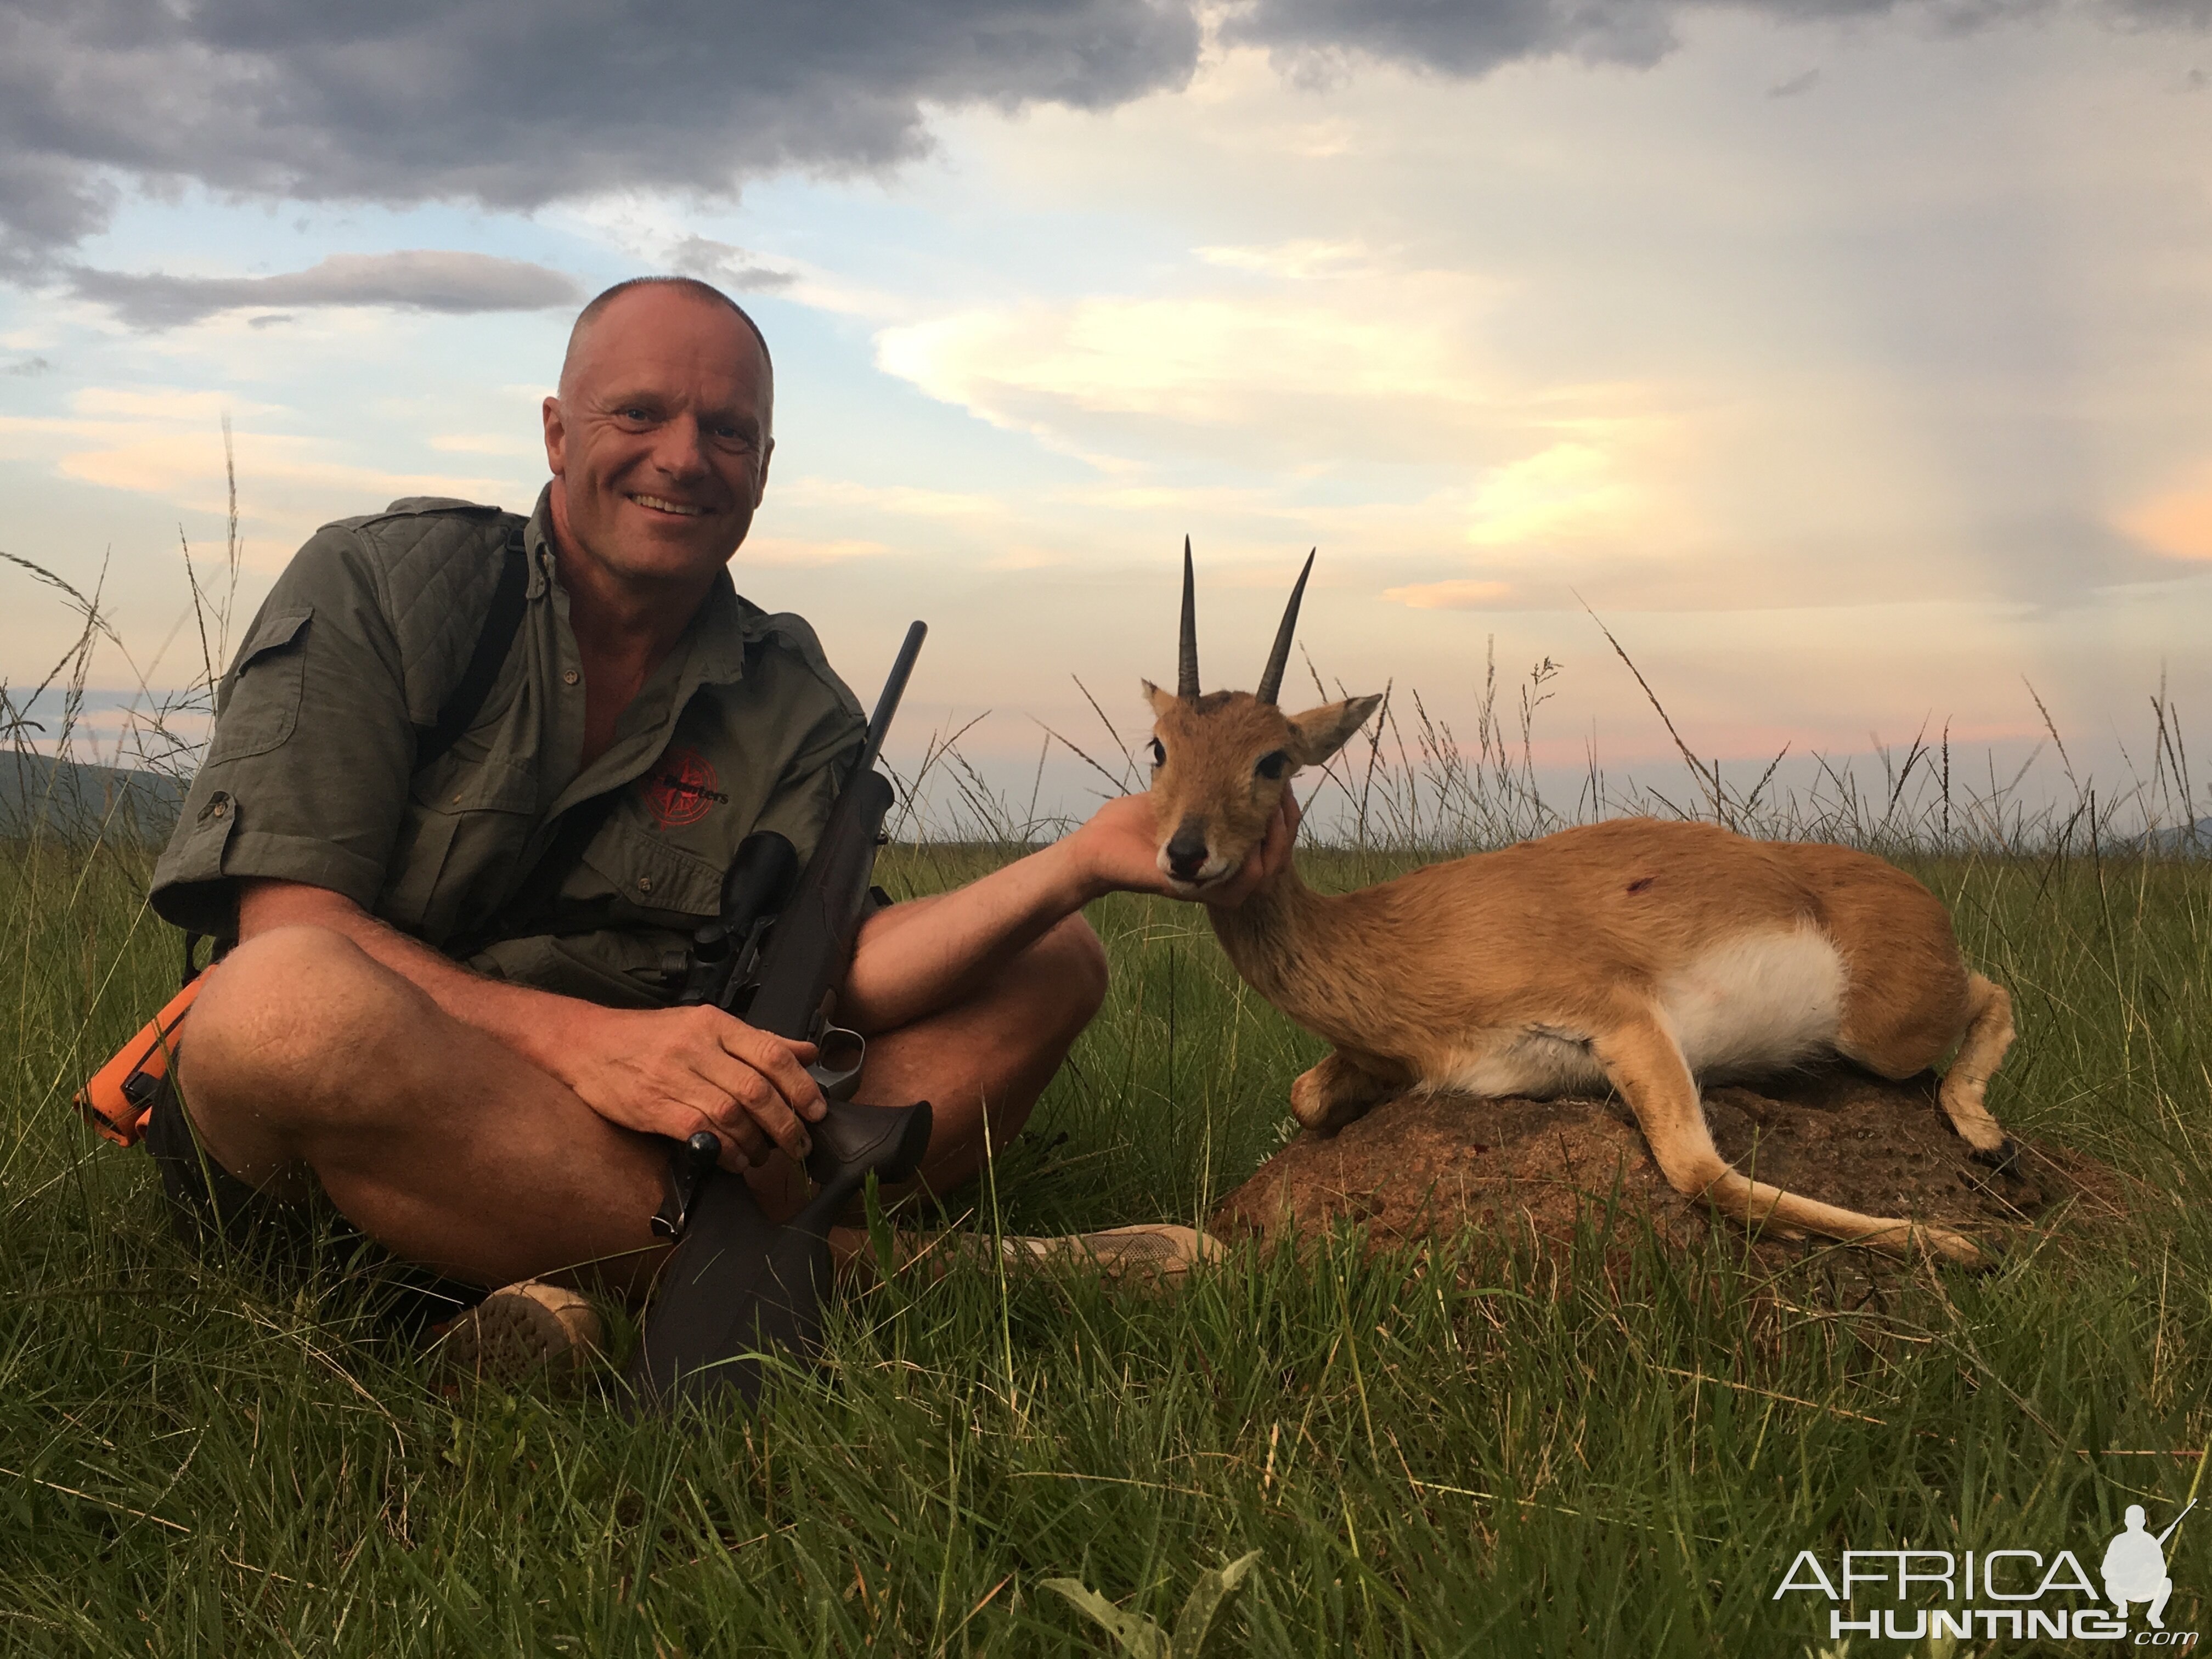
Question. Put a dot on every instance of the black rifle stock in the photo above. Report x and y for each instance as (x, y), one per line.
(739, 1286)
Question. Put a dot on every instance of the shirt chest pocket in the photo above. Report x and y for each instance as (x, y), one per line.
(653, 877)
(465, 832)
(261, 695)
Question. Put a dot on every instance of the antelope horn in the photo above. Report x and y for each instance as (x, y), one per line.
(1271, 682)
(1187, 653)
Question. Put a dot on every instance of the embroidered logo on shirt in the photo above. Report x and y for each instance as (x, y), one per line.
(680, 788)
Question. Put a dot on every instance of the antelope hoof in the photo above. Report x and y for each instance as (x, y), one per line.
(2002, 1158)
(1956, 1248)
(1320, 1112)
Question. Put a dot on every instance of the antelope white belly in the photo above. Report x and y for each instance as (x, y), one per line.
(1760, 1001)
(1540, 1064)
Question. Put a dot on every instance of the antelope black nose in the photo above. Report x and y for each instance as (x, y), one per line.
(1187, 854)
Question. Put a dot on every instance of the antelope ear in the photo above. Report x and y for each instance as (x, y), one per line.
(1321, 731)
(1161, 700)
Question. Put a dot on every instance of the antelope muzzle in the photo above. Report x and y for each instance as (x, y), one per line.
(1185, 857)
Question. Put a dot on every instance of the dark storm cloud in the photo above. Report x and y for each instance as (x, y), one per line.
(1472, 37)
(419, 280)
(1457, 38)
(2192, 14)
(516, 103)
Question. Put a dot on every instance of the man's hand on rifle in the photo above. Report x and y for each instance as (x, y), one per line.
(664, 1071)
(675, 1071)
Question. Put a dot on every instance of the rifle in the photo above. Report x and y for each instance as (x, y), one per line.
(740, 1285)
(2176, 1527)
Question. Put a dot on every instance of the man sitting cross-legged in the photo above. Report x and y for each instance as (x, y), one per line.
(445, 1005)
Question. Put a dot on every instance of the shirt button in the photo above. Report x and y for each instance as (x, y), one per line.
(571, 676)
(644, 884)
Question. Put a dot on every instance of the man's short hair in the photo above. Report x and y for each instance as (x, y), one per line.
(690, 285)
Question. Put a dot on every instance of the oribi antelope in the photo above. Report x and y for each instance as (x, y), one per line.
(1638, 954)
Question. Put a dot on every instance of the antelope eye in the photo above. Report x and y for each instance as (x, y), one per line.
(1159, 754)
(1271, 765)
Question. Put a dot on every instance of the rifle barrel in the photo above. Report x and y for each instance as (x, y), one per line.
(2178, 1520)
(880, 723)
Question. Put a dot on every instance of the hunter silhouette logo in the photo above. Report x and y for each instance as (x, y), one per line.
(681, 788)
(2135, 1566)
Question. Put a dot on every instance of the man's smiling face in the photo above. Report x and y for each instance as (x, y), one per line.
(659, 440)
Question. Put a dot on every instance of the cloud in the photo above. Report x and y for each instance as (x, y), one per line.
(168, 442)
(173, 449)
(1318, 377)
(1387, 366)
(514, 105)
(2177, 524)
(27, 367)
(1305, 259)
(1796, 86)
(1315, 41)
(798, 552)
(1311, 38)
(1458, 595)
(419, 279)
(1561, 491)
(48, 198)
(727, 267)
(483, 443)
(902, 501)
(203, 408)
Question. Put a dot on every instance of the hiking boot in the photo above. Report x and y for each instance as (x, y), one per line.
(1153, 1254)
(521, 1329)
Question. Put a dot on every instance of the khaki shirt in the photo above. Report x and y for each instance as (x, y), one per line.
(310, 775)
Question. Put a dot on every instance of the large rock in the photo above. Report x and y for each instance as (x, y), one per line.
(1523, 1170)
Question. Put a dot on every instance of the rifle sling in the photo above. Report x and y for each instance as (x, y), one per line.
(502, 624)
(532, 902)
(529, 907)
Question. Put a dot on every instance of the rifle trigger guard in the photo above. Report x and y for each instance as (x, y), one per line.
(839, 1057)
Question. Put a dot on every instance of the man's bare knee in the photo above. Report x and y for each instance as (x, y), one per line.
(1072, 961)
(287, 1013)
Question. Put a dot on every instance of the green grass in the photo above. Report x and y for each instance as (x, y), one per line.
(1473, 1453)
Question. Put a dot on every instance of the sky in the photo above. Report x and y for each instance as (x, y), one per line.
(1846, 361)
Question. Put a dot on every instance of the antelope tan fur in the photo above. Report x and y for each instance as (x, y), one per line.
(1637, 953)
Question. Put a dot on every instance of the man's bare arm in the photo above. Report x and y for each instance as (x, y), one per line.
(664, 1071)
(923, 955)
(672, 1071)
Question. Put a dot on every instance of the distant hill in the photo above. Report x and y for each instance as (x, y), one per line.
(2184, 840)
(70, 798)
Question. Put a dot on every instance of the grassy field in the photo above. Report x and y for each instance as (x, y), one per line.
(1468, 1453)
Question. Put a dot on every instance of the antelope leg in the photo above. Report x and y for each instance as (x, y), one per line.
(1648, 1069)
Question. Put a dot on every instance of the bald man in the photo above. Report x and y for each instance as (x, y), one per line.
(445, 1010)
